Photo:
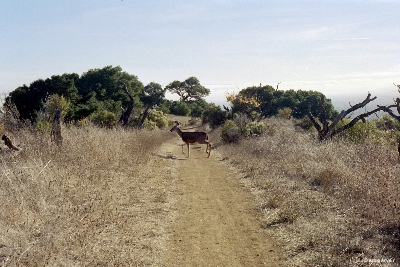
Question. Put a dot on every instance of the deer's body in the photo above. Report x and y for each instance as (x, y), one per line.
(193, 137)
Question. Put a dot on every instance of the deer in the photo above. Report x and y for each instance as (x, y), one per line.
(192, 137)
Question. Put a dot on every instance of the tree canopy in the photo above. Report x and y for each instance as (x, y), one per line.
(108, 90)
(258, 102)
(188, 90)
(92, 91)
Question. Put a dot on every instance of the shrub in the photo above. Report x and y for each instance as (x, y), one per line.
(180, 108)
(214, 116)
(164, 108)
(156, 119)
(305, 123)
(193, 121)
(387, 123)
(55, 102)
(248, 128)
(230, 132)
(284, 113)
(104, 118)
(43, 126)
(257, 128)
(361, 131)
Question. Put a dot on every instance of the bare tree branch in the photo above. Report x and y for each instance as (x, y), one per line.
(355, 120)
(313, 120)
(326, 131)
(390, 112)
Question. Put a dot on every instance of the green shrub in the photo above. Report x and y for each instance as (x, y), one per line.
(156, 119)
(257, 128)
(104, 118)
(387, 123)
(230, 132)
(284, 113)
(164, 108)
(361, 131)
(56, 102)
(180, 109)
(43, 126)
(214, 116)
(305, 123)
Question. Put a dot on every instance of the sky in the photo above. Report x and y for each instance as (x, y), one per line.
(343, 49)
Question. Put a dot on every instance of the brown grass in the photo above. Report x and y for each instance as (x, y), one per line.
(102, 200)
(327, 203)
(105, 198)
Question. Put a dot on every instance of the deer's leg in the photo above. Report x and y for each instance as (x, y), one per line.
(208, 150)
(182, 149)
(188, 149)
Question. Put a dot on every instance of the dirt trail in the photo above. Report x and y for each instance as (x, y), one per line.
(216, 224)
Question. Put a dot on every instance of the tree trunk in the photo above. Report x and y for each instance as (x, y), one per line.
(126, 113)
(145, 114)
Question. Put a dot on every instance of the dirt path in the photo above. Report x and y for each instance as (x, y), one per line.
(216, 224)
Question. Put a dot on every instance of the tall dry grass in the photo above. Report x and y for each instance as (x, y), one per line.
(100, 200)
(330, 203)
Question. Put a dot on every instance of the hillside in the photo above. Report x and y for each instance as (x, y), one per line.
(131, 198)
(326, 203)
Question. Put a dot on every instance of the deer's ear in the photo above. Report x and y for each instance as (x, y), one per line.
(176, 123)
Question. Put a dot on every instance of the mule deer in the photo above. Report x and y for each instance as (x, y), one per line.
(193, 137)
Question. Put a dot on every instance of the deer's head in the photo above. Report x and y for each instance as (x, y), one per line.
(176, 125)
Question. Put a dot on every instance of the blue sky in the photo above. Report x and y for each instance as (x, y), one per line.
(341, 48)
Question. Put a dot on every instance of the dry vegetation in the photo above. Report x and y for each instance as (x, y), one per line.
(102, 200)
(105, 198)
(330, 203)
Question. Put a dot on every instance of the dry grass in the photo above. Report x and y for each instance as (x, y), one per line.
(2, 129)
(328, 204)
(102, 200)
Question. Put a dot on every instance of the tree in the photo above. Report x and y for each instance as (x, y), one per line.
(263, 101)
(214, 116)
(112, 87)
(31, 99)
(244, 104)
(188, 90)
(152, 95)
(302, 100)
(255, 102)
(94, 90)
(126, 112)
(327, 130)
